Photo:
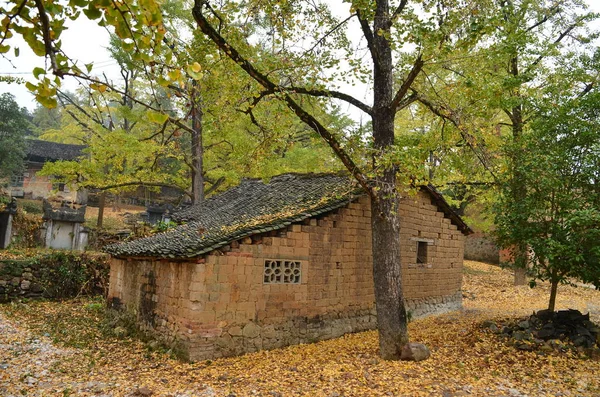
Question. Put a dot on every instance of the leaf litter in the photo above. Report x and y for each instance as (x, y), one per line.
(63, 348)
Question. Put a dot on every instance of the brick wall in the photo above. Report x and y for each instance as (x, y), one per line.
(221, 306)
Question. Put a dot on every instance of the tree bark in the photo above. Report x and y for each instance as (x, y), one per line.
(391, 313)
(553, 290)
(197, 148)
(101, 204)
(520, 276)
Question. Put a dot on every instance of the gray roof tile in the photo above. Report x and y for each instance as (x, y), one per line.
(249, 208)
(254, 207)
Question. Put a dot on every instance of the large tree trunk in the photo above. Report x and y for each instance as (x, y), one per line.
(197, 149)
(391, 314)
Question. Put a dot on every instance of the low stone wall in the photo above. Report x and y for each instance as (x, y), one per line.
(53, 275)
(480, 247)
(16, 279)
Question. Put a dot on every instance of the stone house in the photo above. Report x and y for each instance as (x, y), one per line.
(263, 266)
(33, 186)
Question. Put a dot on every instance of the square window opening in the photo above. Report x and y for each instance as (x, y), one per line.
(421, 252)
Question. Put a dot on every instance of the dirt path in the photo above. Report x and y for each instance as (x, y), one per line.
(28, 360)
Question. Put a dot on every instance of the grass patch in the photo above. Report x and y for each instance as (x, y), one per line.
(31, 206)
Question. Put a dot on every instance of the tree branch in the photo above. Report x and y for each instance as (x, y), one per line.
(48, 48)
(263, 80)
(564, 34)
(412, 75)
(214, 185)
(553, 11)
(330, 94)
(368, 32)
(140, 183)
(336, 27)
(447, 114)
(399, 9)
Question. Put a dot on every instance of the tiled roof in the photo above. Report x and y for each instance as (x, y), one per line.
(42, 151)
(249, 208)
(254, 207)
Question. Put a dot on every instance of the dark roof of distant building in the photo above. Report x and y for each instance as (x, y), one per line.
(254, 207)
(42, 151)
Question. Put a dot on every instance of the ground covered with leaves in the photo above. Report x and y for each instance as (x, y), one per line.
(69, 348)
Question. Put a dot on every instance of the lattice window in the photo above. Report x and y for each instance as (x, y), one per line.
(282, 272)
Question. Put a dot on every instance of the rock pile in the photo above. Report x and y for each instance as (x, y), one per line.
(548, 330)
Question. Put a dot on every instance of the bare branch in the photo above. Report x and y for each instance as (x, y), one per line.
(368, 32)
(336, 27)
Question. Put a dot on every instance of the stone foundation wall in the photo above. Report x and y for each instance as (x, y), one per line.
(423, 307)
(220, 304)
(480, 247)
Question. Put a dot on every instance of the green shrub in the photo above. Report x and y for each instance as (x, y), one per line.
(31, 206)
(65, 274)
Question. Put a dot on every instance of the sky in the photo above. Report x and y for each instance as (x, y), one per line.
(84, 41)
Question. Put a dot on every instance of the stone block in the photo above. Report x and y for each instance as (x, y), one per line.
(235, 331)
(251, 330)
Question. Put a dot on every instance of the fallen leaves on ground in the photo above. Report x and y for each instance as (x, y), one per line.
(76, 357)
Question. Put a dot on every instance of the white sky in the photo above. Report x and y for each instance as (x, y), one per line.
(87, 42)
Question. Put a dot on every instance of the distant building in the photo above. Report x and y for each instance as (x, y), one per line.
(31, 185)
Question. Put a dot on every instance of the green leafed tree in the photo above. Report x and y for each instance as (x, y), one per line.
(557, 217)
(13, 128)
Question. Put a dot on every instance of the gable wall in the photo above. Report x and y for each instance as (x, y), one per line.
(221, 306)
